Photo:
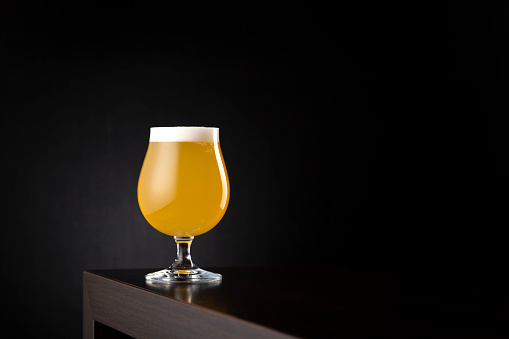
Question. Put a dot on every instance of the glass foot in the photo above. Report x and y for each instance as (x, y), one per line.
(185, 276)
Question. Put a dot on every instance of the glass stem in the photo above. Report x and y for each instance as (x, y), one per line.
(183, 261)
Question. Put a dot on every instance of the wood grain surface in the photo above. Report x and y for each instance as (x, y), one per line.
(264, 303)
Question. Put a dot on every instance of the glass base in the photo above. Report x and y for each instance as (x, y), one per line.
(194, 275)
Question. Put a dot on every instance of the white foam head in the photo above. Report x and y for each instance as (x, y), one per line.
(184, 134)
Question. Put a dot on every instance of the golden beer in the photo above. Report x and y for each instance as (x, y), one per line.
(183, 189)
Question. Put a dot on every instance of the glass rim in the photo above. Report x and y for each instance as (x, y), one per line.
(204, 127)
(184, 134)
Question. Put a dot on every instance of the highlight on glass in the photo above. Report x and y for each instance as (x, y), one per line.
(183, 191)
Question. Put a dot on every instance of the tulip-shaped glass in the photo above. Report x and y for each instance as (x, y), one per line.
(183, 191)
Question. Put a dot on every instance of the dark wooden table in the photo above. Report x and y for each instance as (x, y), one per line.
(265, 303)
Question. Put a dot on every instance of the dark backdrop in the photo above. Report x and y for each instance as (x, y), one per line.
(371, 137)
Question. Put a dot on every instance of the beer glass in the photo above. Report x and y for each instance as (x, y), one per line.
(183, 191)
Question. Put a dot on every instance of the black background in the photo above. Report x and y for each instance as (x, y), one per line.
(364, 136)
